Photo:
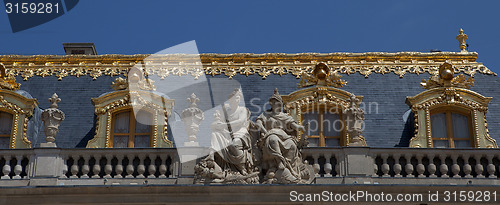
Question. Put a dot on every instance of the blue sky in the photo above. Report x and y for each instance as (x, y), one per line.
(130, 27)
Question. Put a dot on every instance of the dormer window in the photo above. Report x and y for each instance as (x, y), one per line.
(448, 114)
(331, 115)
(134, 115)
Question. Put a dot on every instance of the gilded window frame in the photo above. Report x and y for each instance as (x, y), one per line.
(456, 99)
(21, 109)
(297, 102)
(107, 105)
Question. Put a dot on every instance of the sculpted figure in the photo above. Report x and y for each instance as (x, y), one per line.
(279, 145)
(231, 145)
(354, 117)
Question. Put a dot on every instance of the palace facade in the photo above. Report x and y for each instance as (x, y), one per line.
(135, 126)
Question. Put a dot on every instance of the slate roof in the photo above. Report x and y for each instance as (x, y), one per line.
(386, 124)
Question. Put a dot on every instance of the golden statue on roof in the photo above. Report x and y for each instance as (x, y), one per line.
(462, 37)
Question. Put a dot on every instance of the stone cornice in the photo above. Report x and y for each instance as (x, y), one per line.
(230, 65)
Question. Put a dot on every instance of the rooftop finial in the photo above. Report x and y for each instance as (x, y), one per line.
(193, 100)
(54, 100)
(462, 37)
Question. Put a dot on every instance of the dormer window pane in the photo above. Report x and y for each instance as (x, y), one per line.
(441, 143)
(120, 141)
(462, 144)
(5, 123)
(311, 123)
(460, 126)
(141, 141)
(5, 129)
(143, 122)
(122, 122)
(331, 124)
(333, 142)
(438, 125)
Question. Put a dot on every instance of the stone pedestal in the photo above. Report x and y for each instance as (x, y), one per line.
(187, 165)
(357, 162)
(47, 166)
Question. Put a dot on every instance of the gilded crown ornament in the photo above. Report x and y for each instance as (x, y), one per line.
(322, 75)
(462, 37)
(135, 80)
(7, 82)
(445, 79)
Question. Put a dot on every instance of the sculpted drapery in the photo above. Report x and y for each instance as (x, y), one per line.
(271, 153)
(279, 145)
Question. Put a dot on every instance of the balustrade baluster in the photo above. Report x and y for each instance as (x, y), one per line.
(18, 168)
(74, 168)
(130, 166)
(85, 167)
(108, 168)
(479, 167)
(141, 168)
(397, 166)
(443, 168)
(385, 167)
(328, 165)
(97, 166)
(455, 168)
(431, 167)
(420, 165)
(491, 167)
(316, 166)
(6, 168)
(27, 169)
(408, 166)
(467, 168)
(152, 166)
(163, 166)
(119, 166)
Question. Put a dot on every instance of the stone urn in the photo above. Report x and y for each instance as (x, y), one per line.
(52, 118)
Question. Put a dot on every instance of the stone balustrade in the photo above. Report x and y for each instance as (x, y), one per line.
(56, 166)
(437, 163)
(15, 163)
(324, 160)
(404, 165)
(120, 163)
